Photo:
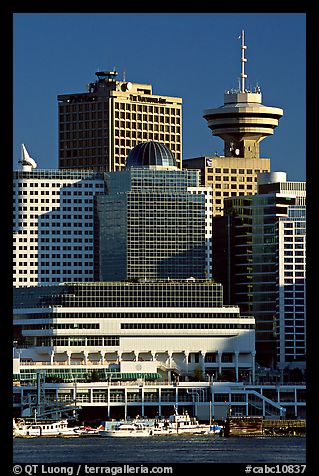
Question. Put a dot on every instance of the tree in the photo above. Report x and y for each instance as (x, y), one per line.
(198, 374)
(94, 376)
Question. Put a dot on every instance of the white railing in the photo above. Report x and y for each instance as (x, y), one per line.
(76, 362)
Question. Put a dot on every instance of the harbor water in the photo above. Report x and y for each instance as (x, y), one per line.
(161, 450)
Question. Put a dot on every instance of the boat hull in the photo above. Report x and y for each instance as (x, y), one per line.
(125, 434)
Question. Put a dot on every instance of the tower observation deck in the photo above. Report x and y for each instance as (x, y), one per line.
(243, 121)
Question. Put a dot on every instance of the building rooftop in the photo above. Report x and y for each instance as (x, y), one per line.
(150, 154)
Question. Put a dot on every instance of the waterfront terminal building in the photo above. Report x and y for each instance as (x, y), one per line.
(103, 347)
(171, 327)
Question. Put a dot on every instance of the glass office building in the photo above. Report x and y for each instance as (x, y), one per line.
(150, 224)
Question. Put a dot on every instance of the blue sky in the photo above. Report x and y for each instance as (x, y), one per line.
(195, 56)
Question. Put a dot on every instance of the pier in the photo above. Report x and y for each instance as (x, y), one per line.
(257, 426)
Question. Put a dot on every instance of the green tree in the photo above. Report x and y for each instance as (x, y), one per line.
(198, 374)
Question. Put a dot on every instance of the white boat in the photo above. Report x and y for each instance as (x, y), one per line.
(184, 424)
(24, 429)
(128, 430)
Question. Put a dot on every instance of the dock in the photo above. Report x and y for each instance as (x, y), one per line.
(257, 426)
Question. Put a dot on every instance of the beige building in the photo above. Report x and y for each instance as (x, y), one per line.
(98, 128)
(227, 177)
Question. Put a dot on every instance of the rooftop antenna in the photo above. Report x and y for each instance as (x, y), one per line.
(124, 76)
(243, 61)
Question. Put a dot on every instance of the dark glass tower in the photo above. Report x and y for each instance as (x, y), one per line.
(150, 225)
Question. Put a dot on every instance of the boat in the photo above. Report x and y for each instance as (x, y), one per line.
(127, 430)
(89, 431)
(45, 418)
(184, 424)
(174, 425)
(36, 428)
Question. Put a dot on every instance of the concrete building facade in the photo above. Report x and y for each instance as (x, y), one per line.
(53, 225)
(227, 177)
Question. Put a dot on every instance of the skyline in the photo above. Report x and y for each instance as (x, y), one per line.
(178, 63)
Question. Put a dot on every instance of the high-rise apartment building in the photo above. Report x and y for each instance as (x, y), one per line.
(242, 123)
(98, 128)
(260, 253)
(154, 219)
(53, 224)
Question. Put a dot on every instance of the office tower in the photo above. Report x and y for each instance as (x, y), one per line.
(53, 224)
(242, 123)
(98, 128)
(153, 219)
(260, 251)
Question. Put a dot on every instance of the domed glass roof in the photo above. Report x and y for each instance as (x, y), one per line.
(150, 153)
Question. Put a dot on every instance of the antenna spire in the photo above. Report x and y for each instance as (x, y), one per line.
(243, 61)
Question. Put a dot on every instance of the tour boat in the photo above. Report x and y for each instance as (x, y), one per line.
(184, 424)
(22, 428)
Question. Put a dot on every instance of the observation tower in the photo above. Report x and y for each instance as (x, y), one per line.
(243, 121)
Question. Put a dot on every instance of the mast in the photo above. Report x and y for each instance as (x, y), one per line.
(243, 61)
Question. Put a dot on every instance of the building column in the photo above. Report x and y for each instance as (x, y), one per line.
(108, 400)
(86, 354)
(169, 373)
(52, 357)
(253, 354)
(143, 401)
(219, 357)
(186, 354)
(159, 401)
(203, 361)
(153, 355)
(74, 391)
(68, 353)
(102, 353)
(236, 364)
